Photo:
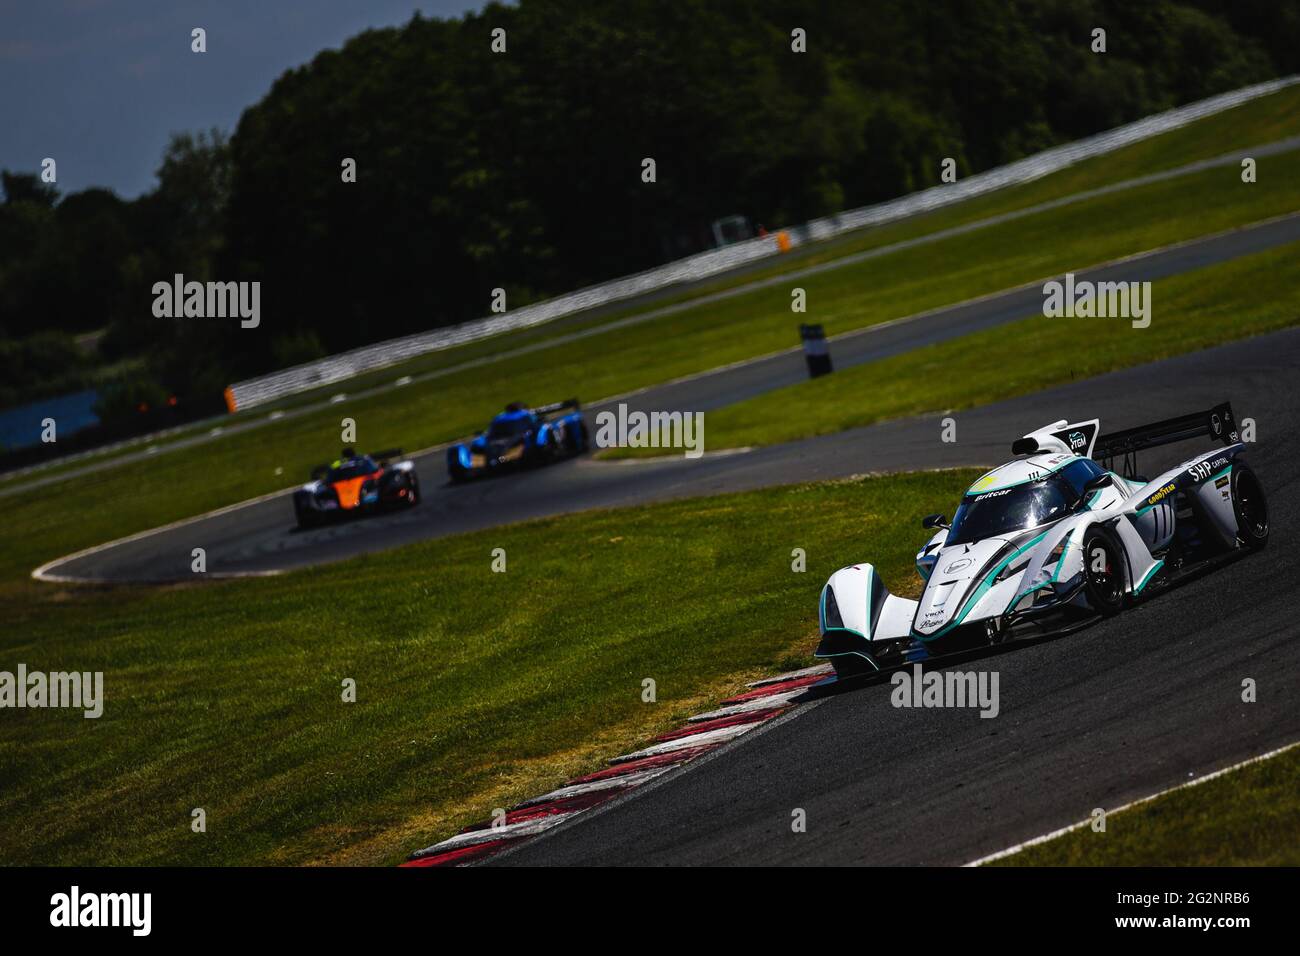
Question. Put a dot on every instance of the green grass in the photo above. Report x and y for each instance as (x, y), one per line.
(1233, 300)
(475, 689)
(1240, 819)
(1261, 121)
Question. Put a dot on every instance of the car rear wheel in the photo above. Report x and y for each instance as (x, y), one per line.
(1251, 508)
(1103, 571)
(576, 439)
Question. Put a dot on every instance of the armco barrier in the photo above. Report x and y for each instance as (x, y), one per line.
(257, 391)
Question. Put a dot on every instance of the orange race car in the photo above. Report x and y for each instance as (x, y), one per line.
(357, 484)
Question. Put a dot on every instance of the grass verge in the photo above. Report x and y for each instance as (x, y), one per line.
(474, 689)
(1239, 819)
(1233, 300)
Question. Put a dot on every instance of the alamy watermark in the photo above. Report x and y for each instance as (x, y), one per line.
(1085, 299)
(946, 689)
(624, 429)
(208, 300)
(75, 908)
(75, 689)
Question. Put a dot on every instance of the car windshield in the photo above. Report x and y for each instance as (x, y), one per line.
(1011, 509)
(353, 468)
(507, 428)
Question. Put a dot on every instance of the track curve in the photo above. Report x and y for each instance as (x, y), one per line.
(1128, 707)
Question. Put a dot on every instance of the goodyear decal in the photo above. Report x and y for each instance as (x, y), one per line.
(1163, 493)
(1222, 482)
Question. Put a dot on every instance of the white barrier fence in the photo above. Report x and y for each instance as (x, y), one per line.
(257, 391)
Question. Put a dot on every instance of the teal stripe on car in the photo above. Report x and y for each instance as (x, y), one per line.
(1146, 578)
(979, 592)
(1056, 572)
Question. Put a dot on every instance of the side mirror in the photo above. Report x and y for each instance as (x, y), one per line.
(1092, 486)
(1097, 482)
(934, 521)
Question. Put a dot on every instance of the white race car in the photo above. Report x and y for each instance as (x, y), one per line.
(1051, 541)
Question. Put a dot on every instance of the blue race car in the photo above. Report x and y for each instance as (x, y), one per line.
(521, 437)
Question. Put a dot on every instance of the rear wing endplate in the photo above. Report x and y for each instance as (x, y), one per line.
(1216, 423)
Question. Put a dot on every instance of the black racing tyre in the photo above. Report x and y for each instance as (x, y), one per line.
(1250, 507)
(575, 439)
(413, 492)
(306, 519)
(1103, 571)
(553, 452)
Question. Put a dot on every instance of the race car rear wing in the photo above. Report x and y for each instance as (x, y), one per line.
(1216, 423)
(382, 457)
(567, 404)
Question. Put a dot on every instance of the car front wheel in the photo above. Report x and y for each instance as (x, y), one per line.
(1103, 571)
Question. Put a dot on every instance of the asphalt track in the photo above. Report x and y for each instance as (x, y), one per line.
(259, 537)
(1110, 714)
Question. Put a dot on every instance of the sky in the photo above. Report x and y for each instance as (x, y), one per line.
(99, 85)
